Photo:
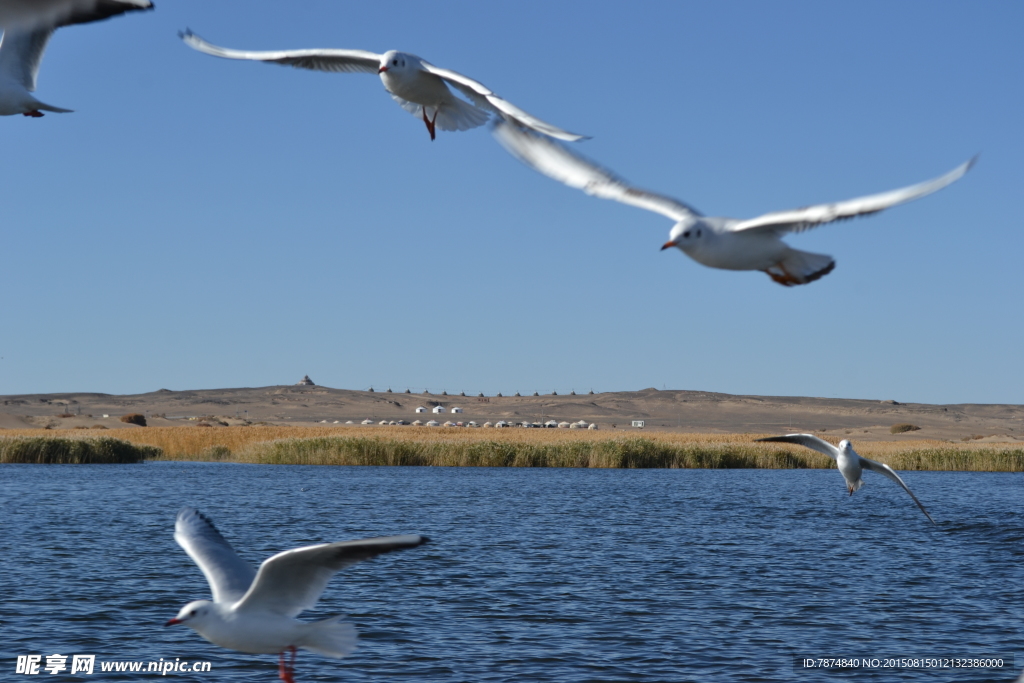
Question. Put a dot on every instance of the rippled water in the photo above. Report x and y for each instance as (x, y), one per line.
(533, 574)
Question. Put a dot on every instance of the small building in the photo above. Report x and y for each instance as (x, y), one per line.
(488, 424)
(449, 423)
(433, 423)
(563, 425)
(437, 410)
(638, 423)
(576, 425)
(551, 424)
(417, 423)
(305, 382)
(420, 409)
(456, 409)
(592, 425)
(501, 423)
(383, 422)
(472, 424)
(367, 421)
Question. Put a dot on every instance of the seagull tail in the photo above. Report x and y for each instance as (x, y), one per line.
(47, 107)
(800, 267)
(330, 638)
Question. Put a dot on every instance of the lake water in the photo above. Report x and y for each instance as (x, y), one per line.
(532, 574)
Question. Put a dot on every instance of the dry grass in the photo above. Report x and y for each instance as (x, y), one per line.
(74, 449)
(535, 448)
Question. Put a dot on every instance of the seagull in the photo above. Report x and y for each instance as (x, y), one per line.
(417, 85)
(28, 25)
(717, 242)
(254, 611)
(849, 462)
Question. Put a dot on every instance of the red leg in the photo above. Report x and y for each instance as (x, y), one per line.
(430, 122)
(286, 670)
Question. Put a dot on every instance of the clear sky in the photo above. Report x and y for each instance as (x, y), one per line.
(203, 223)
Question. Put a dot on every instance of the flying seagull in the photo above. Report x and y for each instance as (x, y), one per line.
(717, 242)
(849, 462)
(255, 611)
(28, 25)
(417, 85)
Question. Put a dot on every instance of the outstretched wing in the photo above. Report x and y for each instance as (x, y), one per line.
(29, 14)
(808, 440)
(292, 581)
(546, 156)
(228, 575)
(798, 220)
(885, 470)
(484, 97)
(20, 54)
(337, 61)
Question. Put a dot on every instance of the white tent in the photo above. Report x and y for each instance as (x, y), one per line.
(592, 425)
(563, 425)
(449, 423)
(433, 423)
(420, 409)
(456, 409)
(501, 423)
(551, 423)
(367, 421)
(437, 410)
(488, 424)
(383, 422)
(417, 423)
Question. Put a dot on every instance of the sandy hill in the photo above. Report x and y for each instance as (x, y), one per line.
(689, 411)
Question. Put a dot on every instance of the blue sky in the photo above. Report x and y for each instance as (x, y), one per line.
(202, 223)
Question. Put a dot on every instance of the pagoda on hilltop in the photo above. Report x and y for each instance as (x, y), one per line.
(305, 382)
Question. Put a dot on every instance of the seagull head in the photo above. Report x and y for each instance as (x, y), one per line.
(395, 63)
(193, 614)
(685, 234)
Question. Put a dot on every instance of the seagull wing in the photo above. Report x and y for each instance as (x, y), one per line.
(292, 581)
(228, 575)
(546, 156)
(484, 97)
(798, 220)
(20, 54)
(29, 14)
(885, 470)
(808, 440)
(337, 61)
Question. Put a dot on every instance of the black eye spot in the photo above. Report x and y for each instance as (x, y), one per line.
(192, 613)
(686, 234)
(395, 62)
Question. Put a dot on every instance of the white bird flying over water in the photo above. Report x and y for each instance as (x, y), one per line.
(717, 242)
(417, 85)
(254, 611)
(849, 462)
(28, 25)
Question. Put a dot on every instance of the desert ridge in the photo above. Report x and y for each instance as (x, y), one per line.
(659, 410)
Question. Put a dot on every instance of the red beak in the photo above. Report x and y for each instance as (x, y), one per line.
(668, 244)
(382, 70)
(172, 622)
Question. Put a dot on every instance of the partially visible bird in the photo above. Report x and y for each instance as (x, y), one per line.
(28, 25)
(417, 85)
(255, 611)
(850, 464)
(717, 242)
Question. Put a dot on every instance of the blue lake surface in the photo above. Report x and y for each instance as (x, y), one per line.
(532, 574)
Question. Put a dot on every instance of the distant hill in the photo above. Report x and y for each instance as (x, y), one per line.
(689, 411)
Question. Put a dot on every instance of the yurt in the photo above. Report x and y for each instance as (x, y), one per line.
(438, 410)
(420, 409)
(592, 425)
(367, 421)
(433, 423)
(417, 423)
(488, 424)
(563, 425)
(456, 409)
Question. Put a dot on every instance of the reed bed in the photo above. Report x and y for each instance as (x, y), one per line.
(335, 445)
(50, 450)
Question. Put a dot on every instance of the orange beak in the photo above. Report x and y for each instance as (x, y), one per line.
(669, 244)
(382, 70)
